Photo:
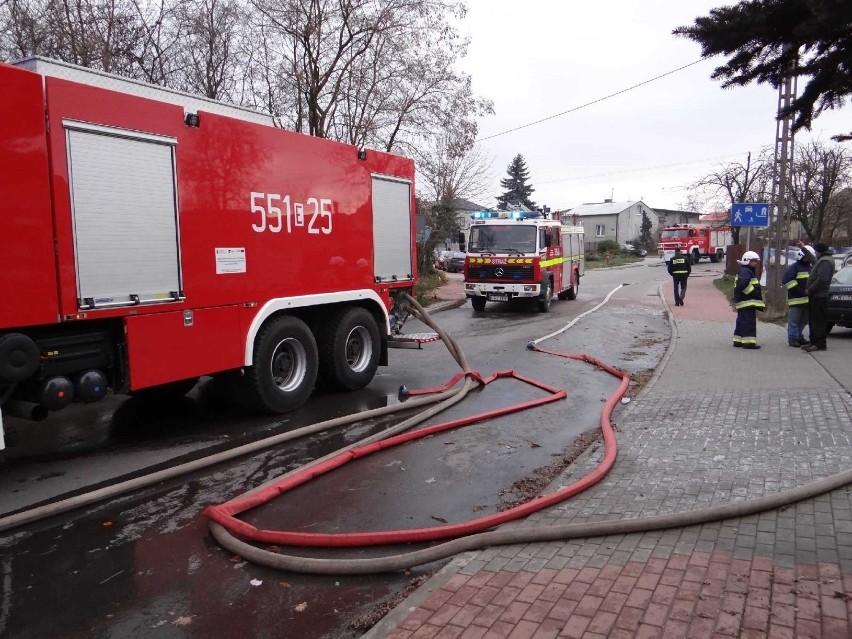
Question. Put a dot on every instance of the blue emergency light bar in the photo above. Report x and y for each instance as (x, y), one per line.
(504, 215)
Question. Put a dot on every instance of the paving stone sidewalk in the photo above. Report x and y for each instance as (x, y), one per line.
(709, 430)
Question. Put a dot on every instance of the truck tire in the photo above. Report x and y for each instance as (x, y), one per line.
(571, 293)
(696, 256)
(546, 297)
(285, 367)
(478, 303)
(349, 349)
(715, 258)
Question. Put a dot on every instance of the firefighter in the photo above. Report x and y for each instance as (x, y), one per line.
(794, 279)
(816, 289)
(748, 300)
(679, 268)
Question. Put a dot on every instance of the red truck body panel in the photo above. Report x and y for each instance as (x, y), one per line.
(28, 286)
(232, 177)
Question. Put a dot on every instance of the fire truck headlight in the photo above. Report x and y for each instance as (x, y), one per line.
(530, 287)
(469, 287)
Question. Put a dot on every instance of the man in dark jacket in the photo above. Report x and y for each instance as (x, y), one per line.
(817, 291)
(794, 279)
(748, 299)
(679, 268)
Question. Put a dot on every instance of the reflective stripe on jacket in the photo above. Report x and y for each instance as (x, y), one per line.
(679, 265)
(747, 291)
(794, 280)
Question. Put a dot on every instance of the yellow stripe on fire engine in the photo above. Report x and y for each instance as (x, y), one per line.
(511, 260)
(552, 262)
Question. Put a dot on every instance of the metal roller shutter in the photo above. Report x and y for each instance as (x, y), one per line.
(391, 229)
(125, 217)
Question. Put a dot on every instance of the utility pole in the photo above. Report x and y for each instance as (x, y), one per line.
(775, 296)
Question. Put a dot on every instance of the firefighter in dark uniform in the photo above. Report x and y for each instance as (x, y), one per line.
(679, 268)
(748, 299)
(794, 279)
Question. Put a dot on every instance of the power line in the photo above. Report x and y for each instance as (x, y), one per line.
(583, 106)
(643, 169)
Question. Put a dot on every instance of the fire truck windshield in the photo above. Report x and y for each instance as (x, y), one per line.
(672, 233)
(502, 238)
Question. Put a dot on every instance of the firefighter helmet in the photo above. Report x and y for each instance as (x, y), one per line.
(748, 256)
(801, 253)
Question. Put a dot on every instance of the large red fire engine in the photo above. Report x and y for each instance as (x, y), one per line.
(522, 255)
(151, 237)
(697, 241)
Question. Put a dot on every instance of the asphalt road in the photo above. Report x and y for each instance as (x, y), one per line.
(144, 565)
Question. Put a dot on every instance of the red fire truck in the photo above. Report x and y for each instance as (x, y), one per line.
(515, 255)
(697, 241)
(151, 237)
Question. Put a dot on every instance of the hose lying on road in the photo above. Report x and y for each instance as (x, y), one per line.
(442, 401)
(518, 535)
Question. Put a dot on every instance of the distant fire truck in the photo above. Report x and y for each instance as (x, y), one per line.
(697, 241)
(150, 237)
(515, 255)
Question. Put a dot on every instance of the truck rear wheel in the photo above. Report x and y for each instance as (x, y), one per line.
(285, 367)
(570, 293)
(349, 349)
(478, 303)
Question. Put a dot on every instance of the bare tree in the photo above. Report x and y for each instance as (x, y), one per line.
(210, 64)
(370, 73)
(820, 172)
(737, 182)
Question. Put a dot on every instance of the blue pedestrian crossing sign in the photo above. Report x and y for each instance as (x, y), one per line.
(750, 214)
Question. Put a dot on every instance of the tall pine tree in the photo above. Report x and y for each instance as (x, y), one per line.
(517, 191)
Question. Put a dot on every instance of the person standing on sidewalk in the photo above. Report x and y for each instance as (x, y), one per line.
(748, 299)
(794, 279)
(679, 268)
(817, 290)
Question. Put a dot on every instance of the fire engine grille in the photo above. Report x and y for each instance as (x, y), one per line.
(501, 272)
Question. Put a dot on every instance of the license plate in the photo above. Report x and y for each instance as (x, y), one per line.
(498, 297)
(842, 298)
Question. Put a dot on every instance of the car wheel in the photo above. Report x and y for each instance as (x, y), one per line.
(546, 297)
(478, 303)
(285, 367)
(349, 349)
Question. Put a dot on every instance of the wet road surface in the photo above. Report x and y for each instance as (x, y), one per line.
(144, 565)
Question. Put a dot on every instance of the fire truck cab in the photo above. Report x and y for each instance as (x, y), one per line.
(514, 255)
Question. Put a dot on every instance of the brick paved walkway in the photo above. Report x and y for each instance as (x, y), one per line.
(708, 432)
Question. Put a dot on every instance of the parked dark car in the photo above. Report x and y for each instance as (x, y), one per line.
(629, 249)
(840, 299)
(456, 262)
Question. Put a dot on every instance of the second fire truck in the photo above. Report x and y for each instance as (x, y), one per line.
(697, 241)
(515, 255)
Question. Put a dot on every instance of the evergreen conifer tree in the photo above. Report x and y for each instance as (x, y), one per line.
(645, 240)
(766, 38)
(517, 191)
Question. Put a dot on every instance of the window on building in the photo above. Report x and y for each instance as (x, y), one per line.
(600, 230)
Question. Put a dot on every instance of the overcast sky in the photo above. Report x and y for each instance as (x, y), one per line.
(537, 58)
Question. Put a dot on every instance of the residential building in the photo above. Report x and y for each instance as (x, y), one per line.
(608, 220)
